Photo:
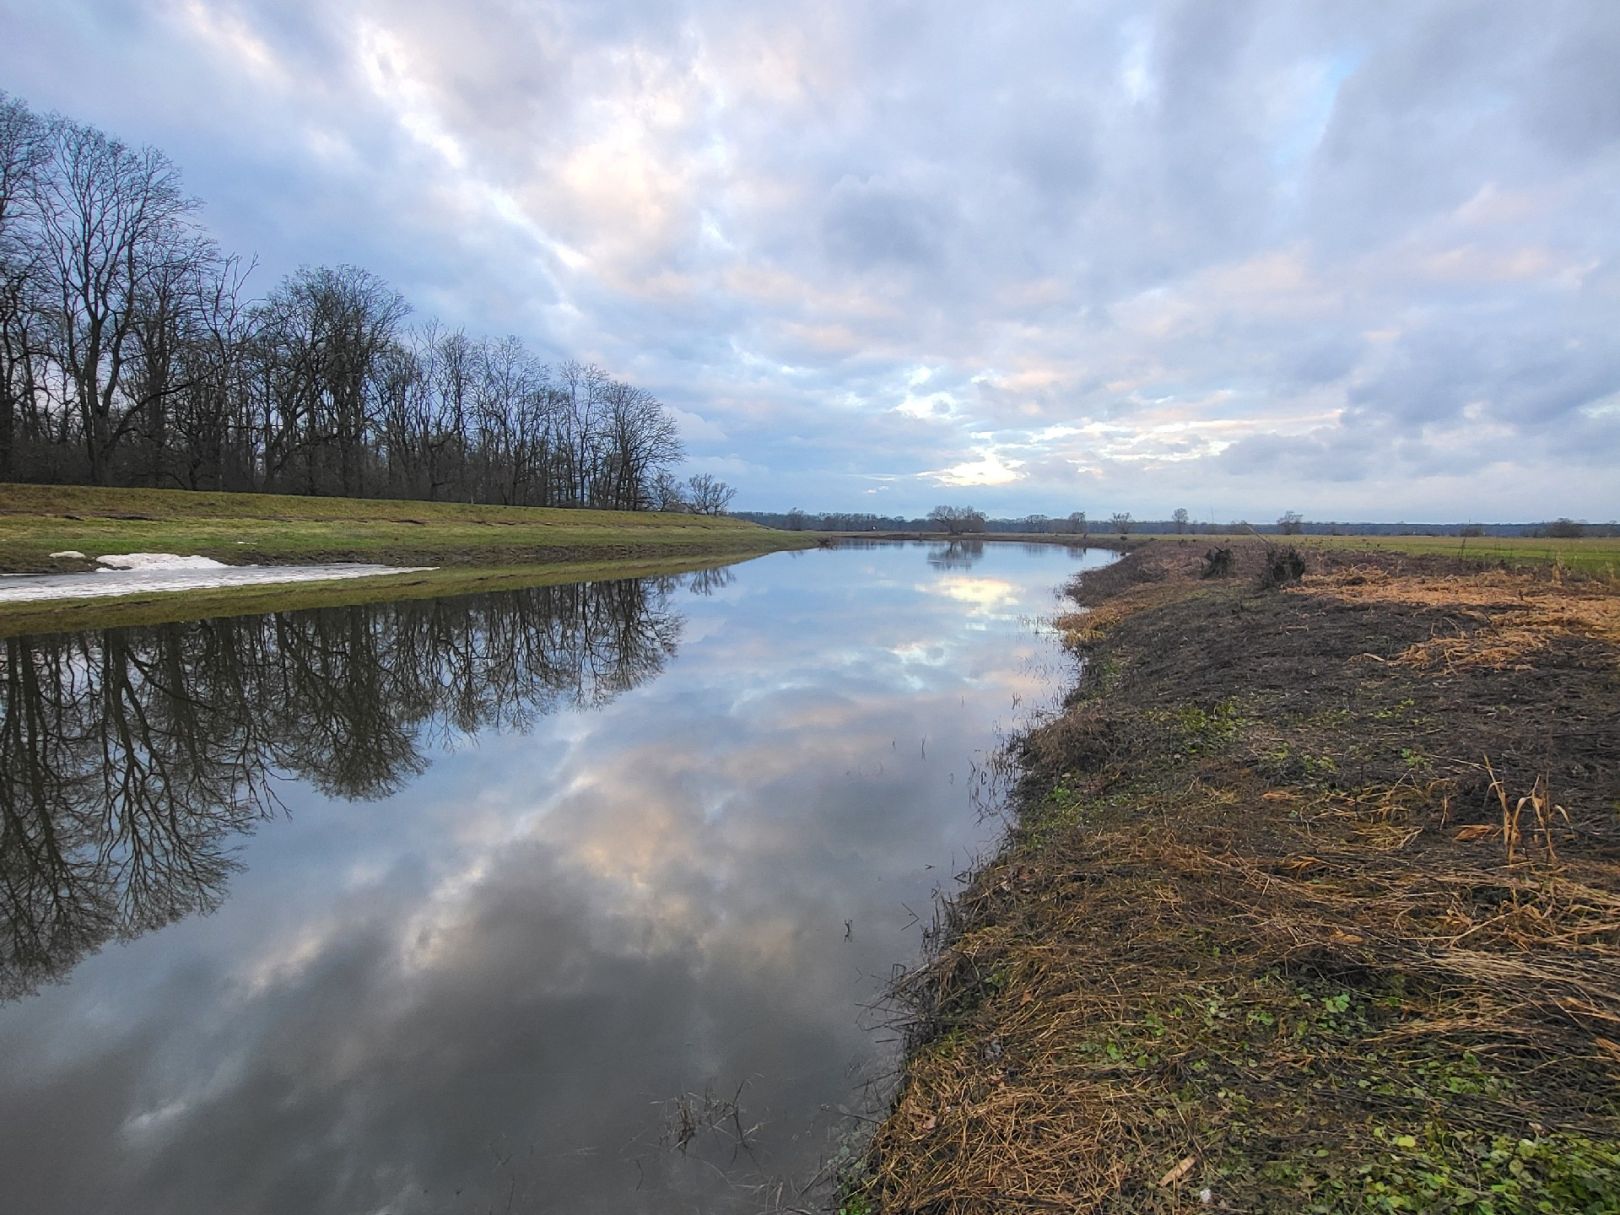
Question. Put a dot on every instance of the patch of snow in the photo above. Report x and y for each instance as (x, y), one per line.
(69, 552)
(101, 584)
(158, 561)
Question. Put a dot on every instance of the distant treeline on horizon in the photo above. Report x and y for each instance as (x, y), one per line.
(1109, 525)
(132, 355)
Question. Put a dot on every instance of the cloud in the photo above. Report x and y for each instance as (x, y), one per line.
(1238, 219)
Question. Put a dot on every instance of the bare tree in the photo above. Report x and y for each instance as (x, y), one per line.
(1292, 523)
(207, 416)
(23, 156)
(1180, 517)
(112, 223)
(641, 439)
(707, 496)
(957, 520)
(1122, 522)
(324, 332)
(129, 355)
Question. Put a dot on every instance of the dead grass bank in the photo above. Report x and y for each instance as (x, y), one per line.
(1313, 904)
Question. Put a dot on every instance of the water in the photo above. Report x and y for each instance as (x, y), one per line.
(569, 899)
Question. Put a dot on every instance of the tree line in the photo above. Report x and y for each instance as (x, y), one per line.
(952, 520)
(131, 353)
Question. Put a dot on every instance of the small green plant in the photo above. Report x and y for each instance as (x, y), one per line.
(1399, 709)
(1319, 768)
(1198, 729)
(1466, 1173)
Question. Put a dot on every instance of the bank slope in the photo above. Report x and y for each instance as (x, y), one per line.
(1313, 904)
(36, 521)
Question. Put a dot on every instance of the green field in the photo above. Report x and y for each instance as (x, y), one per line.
(243, 529)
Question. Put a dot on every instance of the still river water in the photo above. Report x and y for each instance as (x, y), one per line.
(565, 899)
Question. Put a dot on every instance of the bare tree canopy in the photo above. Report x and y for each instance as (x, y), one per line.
(130, 355)
(706, 496)
(957, 519)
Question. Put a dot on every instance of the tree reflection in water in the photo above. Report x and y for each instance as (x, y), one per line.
(956, 555)
(130, 759)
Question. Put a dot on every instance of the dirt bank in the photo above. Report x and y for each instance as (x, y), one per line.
(1313, 904)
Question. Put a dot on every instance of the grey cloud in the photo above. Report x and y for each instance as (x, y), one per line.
(1578, 109)
(1530, 379)
(1327, 457)
(1318, 361)
(868, 225)
(772, 218)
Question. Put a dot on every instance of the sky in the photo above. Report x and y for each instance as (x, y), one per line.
(1354, 260)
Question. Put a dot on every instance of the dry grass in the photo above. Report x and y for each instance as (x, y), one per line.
(1499, 619)
(1188, 984)
(1090, 625)
(1139, 994)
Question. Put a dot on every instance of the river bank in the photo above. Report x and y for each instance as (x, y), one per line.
(37, 521)
(1312, 904)
(60, 530)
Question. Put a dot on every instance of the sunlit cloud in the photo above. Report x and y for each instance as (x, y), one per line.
(983, 595)
(989, 469)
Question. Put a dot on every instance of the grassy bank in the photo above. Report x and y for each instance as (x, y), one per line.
(241, 529)
(1312, 905)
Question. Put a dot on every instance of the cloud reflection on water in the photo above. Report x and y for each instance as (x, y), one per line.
(491, 983)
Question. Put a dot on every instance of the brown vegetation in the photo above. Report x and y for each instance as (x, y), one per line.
(1313, 904)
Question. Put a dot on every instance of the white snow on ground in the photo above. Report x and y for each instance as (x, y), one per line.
(39, 588)
(70, 552)
(158, 561)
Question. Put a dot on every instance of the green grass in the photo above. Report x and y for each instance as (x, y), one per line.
(36, 521)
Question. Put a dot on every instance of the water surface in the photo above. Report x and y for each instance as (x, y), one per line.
(572, 898)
